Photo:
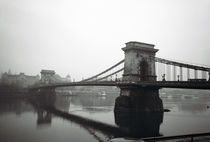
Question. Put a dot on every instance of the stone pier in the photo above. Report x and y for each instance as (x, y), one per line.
(139, 67)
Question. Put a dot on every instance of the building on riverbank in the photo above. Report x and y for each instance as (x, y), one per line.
(20, 80)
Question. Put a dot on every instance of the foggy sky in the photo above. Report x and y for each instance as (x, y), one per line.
(84, 37)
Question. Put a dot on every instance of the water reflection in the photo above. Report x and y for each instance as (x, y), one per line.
(17, 106)
(186, 100)
(92, 104)
(44, 118)
(42, 99)
(91, 118)
(140, 124)
(127, 124)
(187, 105)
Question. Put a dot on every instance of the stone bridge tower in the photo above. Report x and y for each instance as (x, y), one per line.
(139, 66)
(47, 76)
(139, 62)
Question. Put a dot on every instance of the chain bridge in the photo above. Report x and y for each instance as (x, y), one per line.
(140, 75)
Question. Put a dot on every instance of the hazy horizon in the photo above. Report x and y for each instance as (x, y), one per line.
(82, 38)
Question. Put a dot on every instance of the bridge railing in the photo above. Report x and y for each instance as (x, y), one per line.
(189, 136)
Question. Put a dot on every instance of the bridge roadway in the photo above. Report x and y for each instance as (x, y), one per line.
(154, 84)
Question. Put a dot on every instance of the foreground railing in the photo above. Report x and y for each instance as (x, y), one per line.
(191, 137)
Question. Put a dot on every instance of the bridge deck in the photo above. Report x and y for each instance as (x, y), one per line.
(156, 84)
(172, 84)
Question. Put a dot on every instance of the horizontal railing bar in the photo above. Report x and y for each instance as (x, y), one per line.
(176, 137)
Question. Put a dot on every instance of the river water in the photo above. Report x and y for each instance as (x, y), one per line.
(20, 121)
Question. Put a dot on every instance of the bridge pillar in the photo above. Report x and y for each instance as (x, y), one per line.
(139, 66)
(139, 62)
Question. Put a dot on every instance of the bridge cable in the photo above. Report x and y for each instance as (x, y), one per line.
(104, 71)
(110, 74)
(160, 60)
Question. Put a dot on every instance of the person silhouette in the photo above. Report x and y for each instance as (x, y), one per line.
(163, 77)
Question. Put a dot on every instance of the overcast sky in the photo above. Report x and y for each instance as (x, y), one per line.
(84, 37)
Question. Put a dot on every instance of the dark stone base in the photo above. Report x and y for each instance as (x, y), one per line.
(139, 125)
(42, 98)
(138, 100)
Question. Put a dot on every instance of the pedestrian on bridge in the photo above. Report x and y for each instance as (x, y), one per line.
(164, 77)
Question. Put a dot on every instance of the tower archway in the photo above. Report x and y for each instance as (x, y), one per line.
(144, 70)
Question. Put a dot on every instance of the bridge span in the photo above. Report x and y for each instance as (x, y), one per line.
(145, 84)
(139, 76)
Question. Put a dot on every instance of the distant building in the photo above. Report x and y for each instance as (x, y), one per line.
(49, 76)
(58, 78)
(20, 80)
(68, 78)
